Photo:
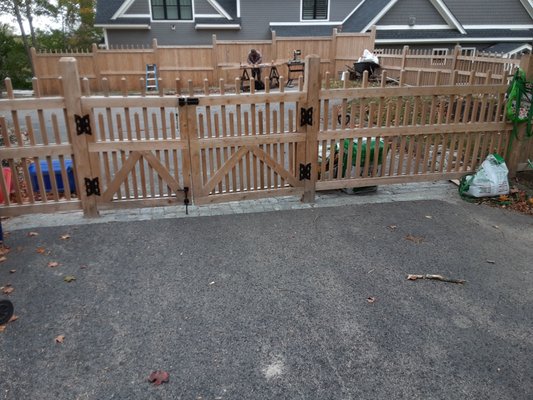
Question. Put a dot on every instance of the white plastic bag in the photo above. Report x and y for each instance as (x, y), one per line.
(490, 180)
(369, 57)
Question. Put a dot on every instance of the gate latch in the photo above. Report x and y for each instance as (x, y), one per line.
(305, 171)
(92, 186)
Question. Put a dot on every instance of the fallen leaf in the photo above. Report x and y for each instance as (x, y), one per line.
(158, 377)
(491, 261)
(41, 250)
(211, 283)
(12, 271)
(415, 239)
(13, 318)
(392, 227)
(429, 217)
(2, 328)
(83, 266)
(371, 299)
(33, 234)
(414, 277)
(60, 338)
(435, 277)
(3, 258)
(69, 278)
(65, 237)
(53, 264)
(4, 250)
(7, 290)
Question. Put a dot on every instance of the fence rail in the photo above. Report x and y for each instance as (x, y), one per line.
(107, 151)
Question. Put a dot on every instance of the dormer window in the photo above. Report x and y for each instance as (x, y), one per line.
(314, 9)
(172, 9)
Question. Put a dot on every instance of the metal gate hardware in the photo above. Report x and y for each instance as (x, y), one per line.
(305, 171)
(190, 101)
(306, 116)
(186, 200)
(92, 186)
(83, 124)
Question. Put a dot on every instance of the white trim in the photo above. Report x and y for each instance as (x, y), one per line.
(445, 12)
(106, 39)
(380, 15)
(506, 26)
(323, 20)
(219, 9)
(207, 16)
(415, 27)
(528, 5)
(353, 11)
(454, 40)
(125, 26)
(122, 9)
(217, 26)
(238, 8)
(134, 16)
(306, 23)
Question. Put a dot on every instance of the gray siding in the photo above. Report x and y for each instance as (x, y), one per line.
(139, 7)
(498, 12)
(340, 9)
(203, 7)
(423, 10)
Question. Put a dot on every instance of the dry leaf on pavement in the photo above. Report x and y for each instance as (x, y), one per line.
(371, 299)
(8, 289)
(69, 278)
(60, 338)
(158, 377)
(12, 271)
(40, 250)
(65, 237)
(415, 239)
(33, 234)
(53, 264)
(3, 258)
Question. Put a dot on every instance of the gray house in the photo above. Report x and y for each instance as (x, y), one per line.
(477, 25)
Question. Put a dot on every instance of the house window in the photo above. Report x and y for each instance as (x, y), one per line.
(314, 9)
(468, 51)
(172, 9)
(439, 56)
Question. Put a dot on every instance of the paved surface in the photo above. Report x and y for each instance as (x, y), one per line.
(273, 305)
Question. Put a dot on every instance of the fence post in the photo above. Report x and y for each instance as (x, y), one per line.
(404, 56)
(456, 53)
(214, 59)
(515, 150)
(274, 47)
(311, 108)
(86, 181)
(333, 52)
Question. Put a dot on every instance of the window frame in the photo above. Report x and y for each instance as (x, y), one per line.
(302, 19)
(165, 7)
(438, 56)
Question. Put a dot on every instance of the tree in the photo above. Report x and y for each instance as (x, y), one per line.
(25, 10)
(13, 61)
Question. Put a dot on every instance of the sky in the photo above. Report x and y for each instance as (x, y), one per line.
(43, 23)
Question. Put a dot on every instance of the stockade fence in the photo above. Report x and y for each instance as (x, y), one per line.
(220, 60)
(141, 150)
(420, 66)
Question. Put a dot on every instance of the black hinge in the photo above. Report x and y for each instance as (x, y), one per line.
(305, 171)
(92, 186)
(190, 101)
(83, 124)
(306, 116)
(186, 200)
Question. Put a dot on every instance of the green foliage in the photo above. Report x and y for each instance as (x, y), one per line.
(13, 60)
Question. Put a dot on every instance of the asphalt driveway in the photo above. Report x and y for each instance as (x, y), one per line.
(301, 304)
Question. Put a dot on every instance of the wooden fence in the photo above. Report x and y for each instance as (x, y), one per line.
(126, 150)
(421, 66)
(219, 60)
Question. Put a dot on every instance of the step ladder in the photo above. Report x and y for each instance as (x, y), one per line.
(151, 81)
